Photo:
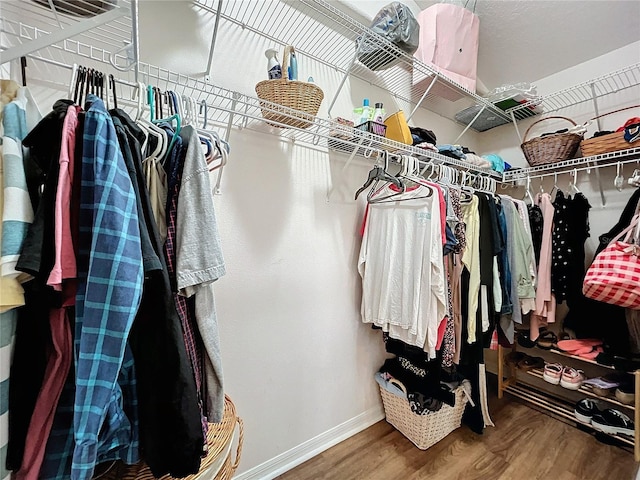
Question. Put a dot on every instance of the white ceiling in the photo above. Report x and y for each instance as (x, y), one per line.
(526, 40)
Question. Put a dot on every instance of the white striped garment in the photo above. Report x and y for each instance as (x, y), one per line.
(16, 212)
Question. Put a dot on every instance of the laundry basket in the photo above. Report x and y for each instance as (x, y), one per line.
(219, 439)
(611, 142)
(303, 97)
(423, 430)
(553, 148)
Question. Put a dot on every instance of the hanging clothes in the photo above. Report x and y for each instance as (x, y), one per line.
(536, 222)
(571, 230)
(165, 382)
(199, 263)
(527, 295)
(109, 253)
(401, 266)
(585, 315)
(545, 300)
(61, 278)
(471, 261)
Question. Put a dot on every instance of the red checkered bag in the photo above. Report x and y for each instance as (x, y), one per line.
(614, 275)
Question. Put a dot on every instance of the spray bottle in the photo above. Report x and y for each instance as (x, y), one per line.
(274, 70)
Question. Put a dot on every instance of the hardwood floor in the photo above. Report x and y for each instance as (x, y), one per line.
(524, 445)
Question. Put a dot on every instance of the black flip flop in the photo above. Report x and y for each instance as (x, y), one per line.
(513, 358)
(547, 340)
(529, 363)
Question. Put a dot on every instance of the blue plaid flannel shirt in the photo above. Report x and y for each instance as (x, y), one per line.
(110, 275)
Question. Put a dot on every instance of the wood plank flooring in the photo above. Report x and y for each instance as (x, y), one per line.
(524, 445)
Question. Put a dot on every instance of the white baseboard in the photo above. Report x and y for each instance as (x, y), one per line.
(312, 447)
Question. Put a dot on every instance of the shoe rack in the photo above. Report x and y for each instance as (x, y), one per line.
(525, 385)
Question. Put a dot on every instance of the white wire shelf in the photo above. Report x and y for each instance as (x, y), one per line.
(301, 23)
(584, 163)
(226, 108)
(583, 92)
(49, 27)
(246, 112)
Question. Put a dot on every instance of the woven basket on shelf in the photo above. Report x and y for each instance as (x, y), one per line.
(219, 437)
(611, 142)
(553, 148)
(304, 97)
(423, 430)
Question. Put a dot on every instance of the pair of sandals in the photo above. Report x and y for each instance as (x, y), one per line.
(546, 340)
(523, 361)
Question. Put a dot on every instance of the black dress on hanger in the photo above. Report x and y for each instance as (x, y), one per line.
(570, 231)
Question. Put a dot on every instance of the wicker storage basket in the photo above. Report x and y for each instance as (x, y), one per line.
(219, 436)
(303, 97)
(423, 430)
(604, 144)
(550, 148)
(612, 142)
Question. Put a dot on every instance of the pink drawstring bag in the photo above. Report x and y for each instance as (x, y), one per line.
(449, 42)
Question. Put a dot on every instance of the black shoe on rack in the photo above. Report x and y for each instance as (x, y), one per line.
(586, 408)
(524, 340)
(613, 422)
(626, 393)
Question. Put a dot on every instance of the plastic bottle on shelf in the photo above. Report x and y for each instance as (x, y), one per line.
(378, 115)
(274, 70)
(293, 66)
(366, 111)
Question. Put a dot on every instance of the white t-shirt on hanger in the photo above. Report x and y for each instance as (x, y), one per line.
(401, 265)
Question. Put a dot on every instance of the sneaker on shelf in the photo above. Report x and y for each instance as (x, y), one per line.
(603, 392)
(586, 408)
(552, 373)
(613, 422)
(571, 378)
(626, 393)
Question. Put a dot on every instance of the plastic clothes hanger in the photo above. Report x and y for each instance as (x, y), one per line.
(412, 173)
(528, 195)
(112, 84)
(635, 178)
(409, 171)
(555, 188)
(205, 107)
(618, 182)
(77, 78)
(73, 82)
(378, 174)
(372, 196)
(150, 129)
(151, 92)
(466, 192)
(573, 184)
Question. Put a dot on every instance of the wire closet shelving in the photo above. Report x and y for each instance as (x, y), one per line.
(613, 82)
(303, 23)
(226, 108)
(77, 27)
(52, 31)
